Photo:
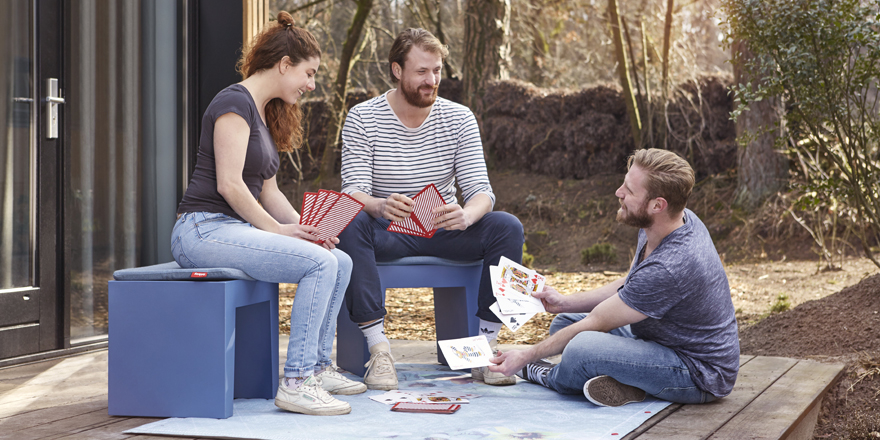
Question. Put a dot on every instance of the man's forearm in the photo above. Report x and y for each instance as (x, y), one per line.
(372, 205)
(477, 207)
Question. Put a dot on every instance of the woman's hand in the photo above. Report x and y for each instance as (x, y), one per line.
(308, 233)
(296, 230)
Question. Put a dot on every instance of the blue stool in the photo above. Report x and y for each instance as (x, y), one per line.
(187, 348)
(456, 286)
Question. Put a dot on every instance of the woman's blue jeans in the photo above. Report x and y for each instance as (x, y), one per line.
(643, 364)
(203, 239)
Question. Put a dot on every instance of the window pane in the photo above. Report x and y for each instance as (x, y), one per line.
(16, 145)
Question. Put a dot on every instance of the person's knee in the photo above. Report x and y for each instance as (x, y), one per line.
(324, 262)
(343, 261)
(508, 223)
(589, 347)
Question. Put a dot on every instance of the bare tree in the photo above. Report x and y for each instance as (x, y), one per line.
(337, 110)
(486, 49)
(623, 72)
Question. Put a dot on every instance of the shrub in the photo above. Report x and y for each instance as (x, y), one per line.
(599, 253)
(782, 304)
(822, 58)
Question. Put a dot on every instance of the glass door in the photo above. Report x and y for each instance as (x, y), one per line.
(19, 294)
(120, 190)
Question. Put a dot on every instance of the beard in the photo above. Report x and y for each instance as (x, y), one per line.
(639, 219)
(414, 97)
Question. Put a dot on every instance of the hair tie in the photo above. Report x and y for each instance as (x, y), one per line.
(288, 25)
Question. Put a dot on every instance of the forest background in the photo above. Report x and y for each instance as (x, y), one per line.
(773, 102)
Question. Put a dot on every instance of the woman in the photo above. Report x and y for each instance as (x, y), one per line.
(234, 215)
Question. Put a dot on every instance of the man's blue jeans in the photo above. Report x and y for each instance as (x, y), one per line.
(643, 364)
(366, 241)
(203, 239)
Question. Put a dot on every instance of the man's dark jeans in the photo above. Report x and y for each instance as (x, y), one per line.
(366, 241)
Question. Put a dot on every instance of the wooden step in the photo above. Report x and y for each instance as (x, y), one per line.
(774, 398)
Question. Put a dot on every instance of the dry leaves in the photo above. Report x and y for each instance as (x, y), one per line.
(411, 311)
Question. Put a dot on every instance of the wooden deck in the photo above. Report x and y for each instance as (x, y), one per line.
(774, 398)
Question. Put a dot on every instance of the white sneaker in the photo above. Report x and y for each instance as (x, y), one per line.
(334, 383)
(309, 398)
(491, 377)
(381, 374)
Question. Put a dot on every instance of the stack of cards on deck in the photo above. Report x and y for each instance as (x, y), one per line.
(421, 220)
(513, 286)
(329, 211)
(432, 408)
(415, 396)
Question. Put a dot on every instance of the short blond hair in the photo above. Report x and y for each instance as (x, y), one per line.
(667, 175)
(409, 38)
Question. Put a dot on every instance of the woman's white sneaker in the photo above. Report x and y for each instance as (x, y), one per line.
(309, 398)
(335, 383)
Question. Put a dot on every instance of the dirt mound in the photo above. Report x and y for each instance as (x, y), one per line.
(841, 327)
(849, 319)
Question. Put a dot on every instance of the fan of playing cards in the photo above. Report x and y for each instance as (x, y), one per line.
(513, 286)
(421, 220)
(329, 211)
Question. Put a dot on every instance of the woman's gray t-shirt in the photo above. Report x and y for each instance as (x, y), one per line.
(683, 289)
(260, 163)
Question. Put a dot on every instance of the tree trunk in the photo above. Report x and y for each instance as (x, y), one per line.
(664, 82)
(761, 169)
(623, 71)
(486, 50)
(337, 106)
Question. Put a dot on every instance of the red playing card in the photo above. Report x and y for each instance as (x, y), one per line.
(307, 206)
(421, 221)
(330, 199)
(338, 216)
(423, 209)
(318, 210)
(399, 228)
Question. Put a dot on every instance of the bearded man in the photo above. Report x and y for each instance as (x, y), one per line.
(667, 329)
(393, 146)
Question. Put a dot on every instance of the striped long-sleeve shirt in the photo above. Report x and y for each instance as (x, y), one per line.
(381, 156)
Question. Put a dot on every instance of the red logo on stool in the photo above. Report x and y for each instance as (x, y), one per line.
(199, 275)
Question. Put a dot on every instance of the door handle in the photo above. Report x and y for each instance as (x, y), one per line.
(52, 101)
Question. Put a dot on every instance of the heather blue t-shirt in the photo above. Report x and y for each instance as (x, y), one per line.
(682, 288)
(260, 163)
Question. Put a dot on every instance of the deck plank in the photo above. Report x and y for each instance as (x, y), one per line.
(669, 410)
(29, 419)
(693, 422)
(776, 412)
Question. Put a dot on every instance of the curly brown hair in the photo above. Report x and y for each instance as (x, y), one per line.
(267, 48)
